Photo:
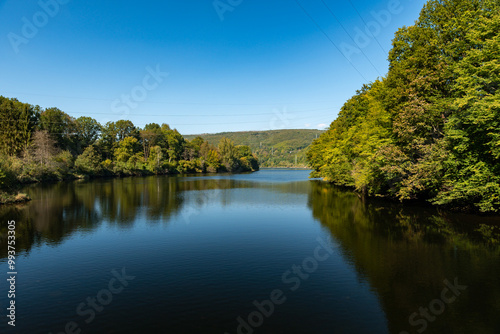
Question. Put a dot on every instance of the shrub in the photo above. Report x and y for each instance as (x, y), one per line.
(89, 163)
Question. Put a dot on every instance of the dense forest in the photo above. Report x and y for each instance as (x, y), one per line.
(273, 148)
(47, 144)
(430, 129)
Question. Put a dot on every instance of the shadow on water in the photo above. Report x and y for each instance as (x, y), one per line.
(406, 253)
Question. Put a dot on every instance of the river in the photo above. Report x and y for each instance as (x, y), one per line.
(265, 252)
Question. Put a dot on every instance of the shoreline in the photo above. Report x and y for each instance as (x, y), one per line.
(22, 198)
(410, 202)
(8, 199)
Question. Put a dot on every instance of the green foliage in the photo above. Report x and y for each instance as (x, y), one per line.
(345, 154)
(50, 145)
(174, 144)
(234, 158)
(61, 128)
(473, 129)
(127, 148)
(124, 129)
(18, 121)
(197, 142)
(155, 160)
(88, 130)
(247, 160)
(108, 141)
(107, 164)
(65, 163)
(228, 154)
(275, 148)
(151, 136)
(186, 167)
(213, 161)
(243, 151)
(249, 163)
(431, 128)
(7, 175)
(89, 162)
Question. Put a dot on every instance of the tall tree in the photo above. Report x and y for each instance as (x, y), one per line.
(174, 143)
(61, 127)
(228, 154)
(88, 131)
(125, 128)
(114, 132)
(18, 121)
(108, 141)
(151, 136)
(473, 129)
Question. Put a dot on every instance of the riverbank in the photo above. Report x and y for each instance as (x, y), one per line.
(290, 167)
(6, 198)
(413, 202)
(12, 196)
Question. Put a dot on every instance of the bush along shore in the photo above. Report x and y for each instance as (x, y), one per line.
(430, 129)
(38, 145)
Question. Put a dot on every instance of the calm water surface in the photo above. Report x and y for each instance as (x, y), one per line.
(206, 254)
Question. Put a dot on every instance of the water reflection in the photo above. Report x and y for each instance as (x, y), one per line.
(60, 209)
(407, 252)
(404, 252)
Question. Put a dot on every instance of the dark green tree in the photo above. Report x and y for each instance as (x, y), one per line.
(125, 128)
(151, 136)
(114, 132)
(89, 162)
(88, 130)
(61, 127)
(175, 143)
(18, 121)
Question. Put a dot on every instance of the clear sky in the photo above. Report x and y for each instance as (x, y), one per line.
(202, 66)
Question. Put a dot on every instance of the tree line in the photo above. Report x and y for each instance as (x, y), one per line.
(430, 129)
(274, 148)
(47, 144)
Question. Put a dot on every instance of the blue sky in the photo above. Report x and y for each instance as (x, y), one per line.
(200, 66)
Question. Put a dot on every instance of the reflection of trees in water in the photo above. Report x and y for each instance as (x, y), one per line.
(60, 209)
(26, 236)
(56, 212)
(406, 253)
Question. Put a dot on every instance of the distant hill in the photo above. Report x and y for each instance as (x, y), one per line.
(274, 148)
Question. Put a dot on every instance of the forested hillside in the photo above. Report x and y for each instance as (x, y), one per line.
(47, 144)
(273, 148)
(430, 129)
